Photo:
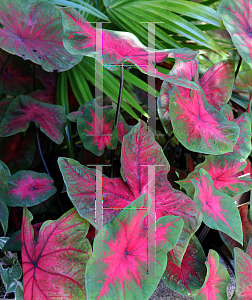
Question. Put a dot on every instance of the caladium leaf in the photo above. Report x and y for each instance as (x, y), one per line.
(49, 118)
(4, 212)
(33, 30)
(122, 128)
(189, 277)
(219, 210)
(216, 281)
(236, 18)
(199, 126)
(246, 228)
(29, 188)
(74, 116)
(117, 47)
(17, 151)
(119, 271)
(95, 128)
(224, 172)
(59, 256)
(242, 147)
(243, 274)
(139, 149)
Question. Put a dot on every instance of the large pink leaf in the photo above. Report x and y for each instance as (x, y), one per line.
(199, 126)
(29, 188)
(117, 47)
(54, 265)
(224, 171)
(95, 128)
(139, 149)
(216, 281)
(23, 110)
(219, 210)
(236, 15)
(33, 30)
(118, 267)
(189, 277)
(243, 273)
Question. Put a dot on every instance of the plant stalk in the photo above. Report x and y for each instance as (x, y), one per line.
(238, 67)
(168, 141)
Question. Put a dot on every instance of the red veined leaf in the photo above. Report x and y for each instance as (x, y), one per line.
(219, 210)
(243, 274)
(15, 243)
(236, 16)
(17, 76)
(246, 228)
(117, 47)
(29, 188)
(4, 104)
(189, 277)
(199, 126)
(242, 147)
(101, 119)
(224, 171)
(139, 149)
(217, 83)
(216, 281)
(33, 30)
(118, 267)
(54, 265)
(4, 212)
(122, 128)
(247, 169)
(17, 151)
(49, 118)
(74, 116)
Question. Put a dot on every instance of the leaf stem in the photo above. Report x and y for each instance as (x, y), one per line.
(5, 64)
(117, 119)
(238, 67)
(168, 141)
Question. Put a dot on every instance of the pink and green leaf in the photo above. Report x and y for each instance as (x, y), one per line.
(118, 47)
(74, 116)
(243, 274)
(224, 171)
(33, 30)
(118, 268)
(236, 17)
(216, 281)
(199, 126)
(139, 150)
(55, 264)
(219, 210)
(95, 128)
(29, 188)
(48, 117)
(122, 128)
(189, 277)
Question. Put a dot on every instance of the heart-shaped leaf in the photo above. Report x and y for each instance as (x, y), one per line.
(189, 277)
(95, 128)
(23, 110)
(117, 47)
(59, 256)
(199, 126)
(33, 30)
(118, 267)
(224, 171)
(216, 281)
(219, 210)
(29, 188)
(236, 16)
(139, 150)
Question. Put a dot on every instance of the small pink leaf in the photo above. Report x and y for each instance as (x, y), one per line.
(29, 188)
(243, 273)
(118, 267)
(219, 210)
(224, 171)
(33, 30)
(23, 110)
(95, 128)
(236, 16)
(216, 281)
(117, 47)
(189, 277)
(54, 265)
(199, 126)
(74, 116)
